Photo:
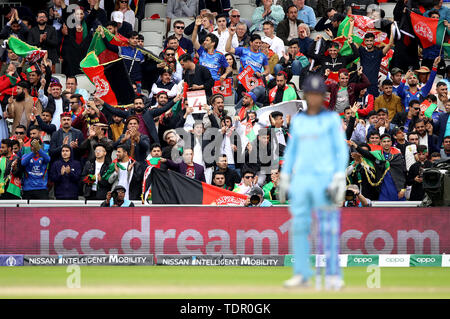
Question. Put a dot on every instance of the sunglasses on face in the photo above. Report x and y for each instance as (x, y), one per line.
(416, 108)
(123, 1)
(170, 54)
(20, 133)
(236, 16)
(179, 27)
(248, 177)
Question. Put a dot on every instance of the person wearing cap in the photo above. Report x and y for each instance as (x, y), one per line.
(288, 28)
(22, 105)
(282, 92)
(383, 124)
(423, 74)
(122, 26)
(313, 173)
(267, 12)
(116, 198)
(256, 198)
(276, 44)
(248, 104)
(399, 139)
(163, 84)
(293, 61)
(407, 119)
(209, 55)
(388, 101)
(396, 75)
(409, 87)
(273, 58)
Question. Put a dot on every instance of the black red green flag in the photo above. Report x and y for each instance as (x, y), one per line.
(169, 187)
(111, 79)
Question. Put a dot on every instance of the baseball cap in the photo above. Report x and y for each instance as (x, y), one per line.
(119, 187)
(266, 40)
(117, 16)
(314, 83)
(396, 70)
(384, 110)
(251, 95)
(371, 113)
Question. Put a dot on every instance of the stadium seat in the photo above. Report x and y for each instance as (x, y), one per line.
(145, 92)
(153, 8)
(157, 25)
(246, 10)
(296, 80)
(238, 2)
(229, 100)
(155, 49)
(388, 9)
(187, 21)
(231, 111)
(85, 83)
(153, 38)
(61, 78)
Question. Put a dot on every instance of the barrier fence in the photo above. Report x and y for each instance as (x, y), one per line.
(185, 230)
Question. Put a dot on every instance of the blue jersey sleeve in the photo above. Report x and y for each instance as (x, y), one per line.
(201, 50)
(265, 61)
(239, 51)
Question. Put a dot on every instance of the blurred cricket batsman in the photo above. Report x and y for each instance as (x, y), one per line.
(313, 176)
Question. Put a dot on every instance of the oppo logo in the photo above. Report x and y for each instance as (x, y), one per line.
(363, 260)
(395, 260)
(426, 260)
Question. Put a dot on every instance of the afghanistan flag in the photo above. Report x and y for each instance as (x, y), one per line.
(427, 108)
(111, 79)
(98, 46)
(24, 50)
(169, 187)
(429, 31)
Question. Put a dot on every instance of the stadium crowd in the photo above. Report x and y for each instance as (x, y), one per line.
(59, 141)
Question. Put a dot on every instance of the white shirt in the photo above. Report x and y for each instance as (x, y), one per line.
(423, 140)
(226, 149)
(58, 111)
(277, 46)
(223, 38)
(198, 152)
(98, 166)
(410, 150)
(123, 178)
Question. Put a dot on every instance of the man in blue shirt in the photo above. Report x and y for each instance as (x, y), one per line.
(209, 57)
(444, 11)
(305, 13)
(251, 56)
(411, 92)
(36, 175)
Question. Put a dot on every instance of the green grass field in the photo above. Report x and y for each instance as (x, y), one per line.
(213, 282)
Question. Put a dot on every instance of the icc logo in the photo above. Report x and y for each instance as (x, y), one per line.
(11, 261)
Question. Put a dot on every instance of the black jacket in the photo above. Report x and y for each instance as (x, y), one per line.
(201, 76)
(103, 186)
(283, 29)
(141, 149)
(7, 31)
(149, 115)
(56, 143)
(417, 192)
(50, 44)
(400, 118)
(52, 107)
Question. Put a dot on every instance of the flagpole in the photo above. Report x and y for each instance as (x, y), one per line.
(442, 42)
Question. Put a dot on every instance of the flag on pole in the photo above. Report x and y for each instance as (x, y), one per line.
(98, 46)
(427, 108)
(111, 79)
(429, 31)
(31, 53)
